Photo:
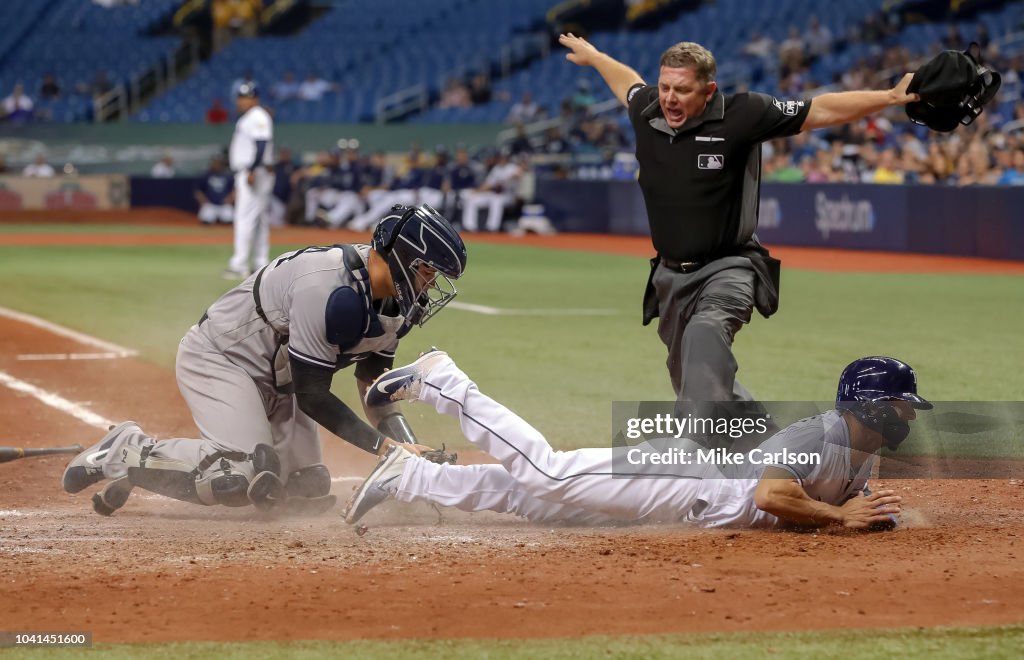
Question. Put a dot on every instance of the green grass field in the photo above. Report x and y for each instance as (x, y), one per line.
(961, 332)
(953, 643)
(562, 371)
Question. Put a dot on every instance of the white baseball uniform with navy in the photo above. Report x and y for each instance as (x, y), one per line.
(252, 202)
(544, 485)
(232, 366)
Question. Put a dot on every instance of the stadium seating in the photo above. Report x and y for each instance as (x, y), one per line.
(724, 27)
(74, 39)
(402, 43)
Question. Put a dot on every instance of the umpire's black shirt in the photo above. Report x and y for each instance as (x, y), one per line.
(701, 182)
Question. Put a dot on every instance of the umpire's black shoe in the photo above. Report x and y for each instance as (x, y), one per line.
(86, 469)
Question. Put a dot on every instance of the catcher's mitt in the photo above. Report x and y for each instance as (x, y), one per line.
(440, 456)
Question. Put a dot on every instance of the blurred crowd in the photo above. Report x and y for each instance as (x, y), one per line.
(20, 106)
(876, 152)
(887, 149)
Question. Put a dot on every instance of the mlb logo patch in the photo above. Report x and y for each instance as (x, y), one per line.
(710, 161)
(789, 108)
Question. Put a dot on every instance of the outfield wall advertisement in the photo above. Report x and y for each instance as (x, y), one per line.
(80, 193)
(976, 221)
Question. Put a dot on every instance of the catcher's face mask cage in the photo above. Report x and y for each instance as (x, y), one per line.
(424, 254)
(945, 116)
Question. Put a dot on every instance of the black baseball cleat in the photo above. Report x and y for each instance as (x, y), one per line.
(86, 469)
(403, 383)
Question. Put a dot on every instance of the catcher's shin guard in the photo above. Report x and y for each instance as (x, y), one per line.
(309, 491)
(112, 497)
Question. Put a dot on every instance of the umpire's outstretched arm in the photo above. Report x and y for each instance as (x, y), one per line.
(617, 75)
(837, 108)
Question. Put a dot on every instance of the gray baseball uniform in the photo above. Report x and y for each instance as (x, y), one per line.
(311, 306)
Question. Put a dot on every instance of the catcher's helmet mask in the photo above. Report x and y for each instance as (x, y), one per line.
(410, 238)
(954, 88)
(866, 388)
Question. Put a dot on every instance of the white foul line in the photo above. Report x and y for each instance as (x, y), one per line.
(43, 357)
(56, 401)
(81, 337)
(498, 311)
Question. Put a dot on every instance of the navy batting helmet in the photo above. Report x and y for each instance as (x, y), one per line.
(424, 254)
(868, 383)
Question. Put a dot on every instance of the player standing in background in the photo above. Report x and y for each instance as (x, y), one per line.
(814, 473)
(700, 167)
(256, 372)
(252, 161)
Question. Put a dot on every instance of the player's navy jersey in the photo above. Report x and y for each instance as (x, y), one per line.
(283, 171)
(462, 177)
(216, 186)
(319, 297)
(435, 177)
(346, 176)
(373, 176)
(412, 180)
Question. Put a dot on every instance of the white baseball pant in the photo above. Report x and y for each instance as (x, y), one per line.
(211, 213)
(252, 225)
(346, 205)
(379, 205)
(474, 200)
(544, 485)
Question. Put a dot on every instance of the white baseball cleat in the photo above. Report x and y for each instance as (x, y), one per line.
(379, 486)
(86, 469)
(403, 383)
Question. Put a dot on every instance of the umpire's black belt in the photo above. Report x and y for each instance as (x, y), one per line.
(682, 266)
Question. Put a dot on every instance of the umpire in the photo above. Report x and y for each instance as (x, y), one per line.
(700, 168)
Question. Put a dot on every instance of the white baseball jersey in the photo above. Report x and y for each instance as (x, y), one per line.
(253, 126)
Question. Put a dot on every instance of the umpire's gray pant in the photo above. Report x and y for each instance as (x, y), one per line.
(699, 315)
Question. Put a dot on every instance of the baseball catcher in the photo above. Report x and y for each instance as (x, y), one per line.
(875, 404)
(256, 372)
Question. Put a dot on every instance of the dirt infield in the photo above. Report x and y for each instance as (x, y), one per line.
(161, 570)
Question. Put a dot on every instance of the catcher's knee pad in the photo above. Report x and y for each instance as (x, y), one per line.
(265, 459)
(223, 484)
(235, 484)
(310, 481)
